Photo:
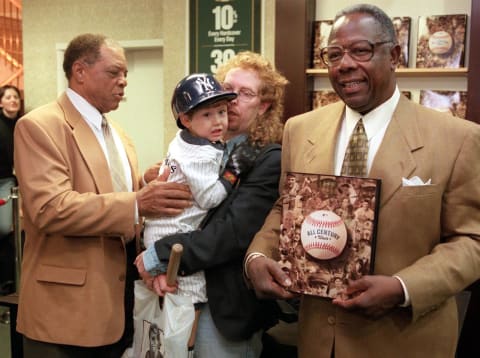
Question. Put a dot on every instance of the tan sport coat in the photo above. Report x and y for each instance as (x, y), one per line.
(427, 235)
(74, 262)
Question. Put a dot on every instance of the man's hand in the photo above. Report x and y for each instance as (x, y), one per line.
(160, 198)
(268, 279)
(373, 295)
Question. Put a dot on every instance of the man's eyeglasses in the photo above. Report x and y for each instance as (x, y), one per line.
(361, 51)
(243, 94)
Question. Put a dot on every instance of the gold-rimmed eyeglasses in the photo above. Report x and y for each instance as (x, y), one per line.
(243, 94)
(361, 51)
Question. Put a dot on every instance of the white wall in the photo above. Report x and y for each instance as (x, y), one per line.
(47, 23)
(141, 113)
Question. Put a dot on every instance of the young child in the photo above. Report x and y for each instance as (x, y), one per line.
(195, 157)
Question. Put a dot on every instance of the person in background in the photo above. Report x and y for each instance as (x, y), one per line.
(10, 111)
(232, 321)
(428, 239)
(77, 173)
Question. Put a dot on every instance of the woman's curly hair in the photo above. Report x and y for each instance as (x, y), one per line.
(268, 127)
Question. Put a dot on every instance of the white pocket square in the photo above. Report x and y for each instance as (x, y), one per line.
(415, 181)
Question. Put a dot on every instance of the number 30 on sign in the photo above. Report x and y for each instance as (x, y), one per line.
(220, 29)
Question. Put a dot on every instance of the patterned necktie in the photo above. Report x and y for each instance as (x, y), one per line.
(355, 161)
(116, 167)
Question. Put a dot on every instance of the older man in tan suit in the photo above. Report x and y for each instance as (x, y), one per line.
(428, 246)
(81, 211)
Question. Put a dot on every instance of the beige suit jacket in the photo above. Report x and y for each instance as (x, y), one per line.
(74, 262)
(427, 235)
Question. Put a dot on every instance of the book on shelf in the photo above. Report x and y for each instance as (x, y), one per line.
(453, 102)
(328, 231)
(321, 98)
(441, 41)
(402, 27)
(321, 31)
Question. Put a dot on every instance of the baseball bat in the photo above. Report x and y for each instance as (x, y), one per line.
(174, 263)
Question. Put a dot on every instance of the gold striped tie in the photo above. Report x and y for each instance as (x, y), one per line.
(355, 161)
(116, 167)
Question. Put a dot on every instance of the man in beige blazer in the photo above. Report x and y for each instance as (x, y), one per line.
(427, 247)
(76, 294)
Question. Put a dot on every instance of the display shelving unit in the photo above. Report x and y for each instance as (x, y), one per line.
(293, 42)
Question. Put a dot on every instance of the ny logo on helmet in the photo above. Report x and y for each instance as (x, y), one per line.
(205, 83)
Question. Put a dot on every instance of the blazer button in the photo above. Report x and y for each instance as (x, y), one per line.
(121, 277)
(331, 320)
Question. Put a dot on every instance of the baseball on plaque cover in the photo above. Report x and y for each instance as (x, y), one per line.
(328, 229)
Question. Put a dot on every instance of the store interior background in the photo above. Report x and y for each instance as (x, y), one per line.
(155, 34)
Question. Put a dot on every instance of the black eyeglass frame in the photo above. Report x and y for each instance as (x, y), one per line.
(373, 45)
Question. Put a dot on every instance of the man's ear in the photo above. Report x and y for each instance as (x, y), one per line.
(264, 106)
(78, 71)
(395, 52)
(185, 120)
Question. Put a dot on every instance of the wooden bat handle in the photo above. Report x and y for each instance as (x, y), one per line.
(174, 263)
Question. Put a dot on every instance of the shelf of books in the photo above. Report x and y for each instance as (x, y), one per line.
(439, 53)
(409, 72)
(433, 67)
(440, 45)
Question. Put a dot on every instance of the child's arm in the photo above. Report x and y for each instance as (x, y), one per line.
(208, 188)
(204, 182)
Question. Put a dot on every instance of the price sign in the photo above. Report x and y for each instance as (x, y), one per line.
(221, 28)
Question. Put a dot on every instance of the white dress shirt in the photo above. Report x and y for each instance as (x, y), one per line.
(94, 119)
(375, 123)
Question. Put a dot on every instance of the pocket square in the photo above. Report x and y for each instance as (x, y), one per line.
(415, 181)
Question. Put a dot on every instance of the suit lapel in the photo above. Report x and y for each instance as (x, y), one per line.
(88, 146)
(321, 141)
(394, 159)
